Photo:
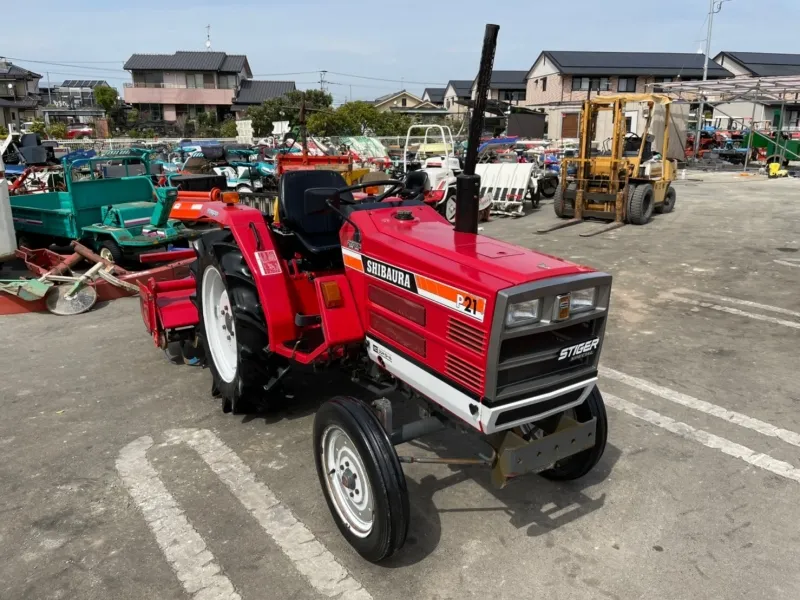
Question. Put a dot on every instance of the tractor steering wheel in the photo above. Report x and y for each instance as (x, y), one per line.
(395, 186)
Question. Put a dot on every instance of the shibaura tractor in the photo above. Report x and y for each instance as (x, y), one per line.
(486, 337)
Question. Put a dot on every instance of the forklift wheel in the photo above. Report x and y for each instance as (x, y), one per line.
(110, 250)
(548, 186)
(231, 326)
(580, 464)
(640, 204)
(669, 201)
(361, 477)
(563, 207)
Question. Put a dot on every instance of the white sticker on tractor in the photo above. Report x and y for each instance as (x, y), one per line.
(268, 262)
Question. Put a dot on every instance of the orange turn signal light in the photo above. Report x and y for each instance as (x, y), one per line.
(230, 197)
(331, 294)
(372, 190)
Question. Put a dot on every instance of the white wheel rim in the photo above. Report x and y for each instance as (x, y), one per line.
(218, 320)
(106, 254)
(450, 209)
(347, 482)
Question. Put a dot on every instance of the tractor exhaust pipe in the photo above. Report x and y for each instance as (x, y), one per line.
(468, 184)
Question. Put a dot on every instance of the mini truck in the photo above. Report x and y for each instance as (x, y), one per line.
(115, 213)
(493, 339)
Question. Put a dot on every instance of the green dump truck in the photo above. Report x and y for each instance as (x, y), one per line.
(110, 205)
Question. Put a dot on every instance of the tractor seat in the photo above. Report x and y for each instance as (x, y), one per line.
(417, 182)
(317, 232)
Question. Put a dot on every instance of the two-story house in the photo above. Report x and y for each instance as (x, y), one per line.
(166, 87)
(765, 115)
(559, 81)
(457, 90)
(19, 98)
(505, 86)
(434, 95)
(72, 101)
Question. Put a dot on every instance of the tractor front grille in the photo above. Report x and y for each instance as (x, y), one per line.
(468, 336)
(527, 361)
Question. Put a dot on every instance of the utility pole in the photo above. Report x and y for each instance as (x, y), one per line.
(322, 81)
(714, 6)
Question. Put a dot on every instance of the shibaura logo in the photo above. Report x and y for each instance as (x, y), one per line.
(579, 350)
(390, 274)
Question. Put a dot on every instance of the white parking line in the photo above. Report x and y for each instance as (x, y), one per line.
(729, 300)
(788, 264)
(185, 549)
(757, 459)
(309, 556)
(740, 419)
(734, 311)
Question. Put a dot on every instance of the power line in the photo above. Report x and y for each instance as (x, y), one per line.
(44, 62)
(383, 79)
(283, 74)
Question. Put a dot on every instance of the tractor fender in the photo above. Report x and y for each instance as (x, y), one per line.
(341, 323)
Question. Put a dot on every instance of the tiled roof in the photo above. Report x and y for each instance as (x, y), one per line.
(687, 64)
(188, 61)
(255, 92)
(765, 64)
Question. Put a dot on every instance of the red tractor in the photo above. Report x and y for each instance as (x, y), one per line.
(484, 336)
(488, 337)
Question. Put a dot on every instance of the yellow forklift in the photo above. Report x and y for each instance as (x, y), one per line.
(623, 181)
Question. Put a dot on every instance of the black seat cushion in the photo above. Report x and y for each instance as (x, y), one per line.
(417, 182)
(318, 232)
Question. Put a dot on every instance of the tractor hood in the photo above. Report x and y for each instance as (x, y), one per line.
(428, 241)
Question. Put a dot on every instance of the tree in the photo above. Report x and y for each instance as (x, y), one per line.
(358, 118)
(37, 126)
(106, 97)
(286, 108)
(133, 117)
(207, 125)
(228, 129)
(57, 131)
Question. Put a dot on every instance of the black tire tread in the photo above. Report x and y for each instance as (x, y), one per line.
(580, 464)
(360, 422)
(669, 201)
(639, 209)
(115, 250)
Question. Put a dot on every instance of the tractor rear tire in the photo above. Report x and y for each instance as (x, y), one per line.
(669, 201)
(110, 250)
(231, 327)
(560, 204)
(640, 204)
(580, 464)
(361, 477)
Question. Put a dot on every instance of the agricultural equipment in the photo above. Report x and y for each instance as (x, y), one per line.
(117, 215)
(7, 237)
(624, 183)
(490, 338)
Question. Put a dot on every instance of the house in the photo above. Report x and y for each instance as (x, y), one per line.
(254, 93)
(19, 100)
(434, 95)
(505, 86)
(457, 90)
(72, 101)
(758, 64)
(559, 81)
(166, 87)
(398, 100)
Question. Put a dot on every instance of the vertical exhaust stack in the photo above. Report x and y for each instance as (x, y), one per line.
(468, 184)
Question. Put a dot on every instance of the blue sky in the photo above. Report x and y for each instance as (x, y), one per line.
(413, 41)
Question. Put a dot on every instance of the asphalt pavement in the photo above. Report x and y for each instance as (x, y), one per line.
(123, 479)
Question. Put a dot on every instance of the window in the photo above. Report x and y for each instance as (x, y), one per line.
(208, 81)
(544, 84)
(227, 82)
(512, 95)
(194, 80)
(626, 84)
(596, 84)
(628, 123)
(657, 88)
(151, 112)
(403, 102)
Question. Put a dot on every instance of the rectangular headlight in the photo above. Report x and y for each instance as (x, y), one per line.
(523, 313)
(582, 300)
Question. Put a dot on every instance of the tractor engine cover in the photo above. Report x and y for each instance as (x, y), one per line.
(436, 306)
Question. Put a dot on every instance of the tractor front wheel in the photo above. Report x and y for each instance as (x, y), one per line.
(581, 463)
(448, 207)
(232, 328)
(361, 477)
(111, 251)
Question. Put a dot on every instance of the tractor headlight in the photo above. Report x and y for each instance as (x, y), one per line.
(523, 313)
(582, 300)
